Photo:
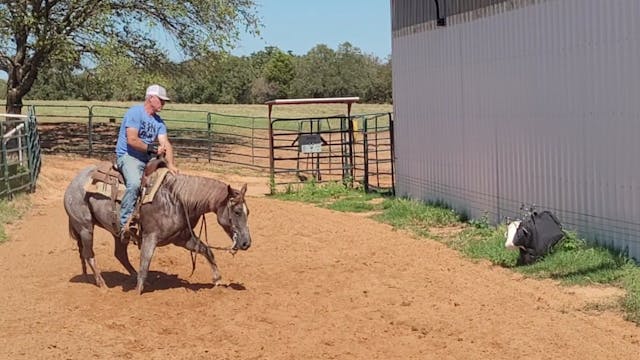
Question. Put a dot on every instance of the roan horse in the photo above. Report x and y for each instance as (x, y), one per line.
(178, 204)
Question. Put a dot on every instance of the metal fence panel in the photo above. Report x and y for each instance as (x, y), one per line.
(19, 154)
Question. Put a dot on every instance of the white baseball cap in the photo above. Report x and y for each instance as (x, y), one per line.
(157, 90)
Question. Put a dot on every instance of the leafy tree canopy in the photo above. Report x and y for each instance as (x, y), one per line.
(34, 34)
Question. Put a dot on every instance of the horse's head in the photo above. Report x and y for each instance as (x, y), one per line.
(233, 218)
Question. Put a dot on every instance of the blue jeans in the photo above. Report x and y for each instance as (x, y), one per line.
(132, 170)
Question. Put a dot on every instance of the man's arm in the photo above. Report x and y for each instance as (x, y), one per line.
(166, 148)
(134, 141)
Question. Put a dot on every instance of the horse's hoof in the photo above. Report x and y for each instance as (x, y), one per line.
(131, 282)
(217, 281)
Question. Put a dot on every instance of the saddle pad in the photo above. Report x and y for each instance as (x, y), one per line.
(102, 188)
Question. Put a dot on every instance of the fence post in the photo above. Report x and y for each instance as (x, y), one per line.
(351, 153)
(365, 144)
(90, 129)
(393, 156)
(253, 139)
(209, 137)
(271, 155)
(33, 149)
(3, 161)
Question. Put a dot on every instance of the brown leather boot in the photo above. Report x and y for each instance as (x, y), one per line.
(132, 230)
(124, 235)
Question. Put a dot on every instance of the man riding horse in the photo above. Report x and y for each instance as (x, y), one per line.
(141, 127)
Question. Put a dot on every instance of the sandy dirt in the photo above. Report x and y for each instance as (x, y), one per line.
(316, 284)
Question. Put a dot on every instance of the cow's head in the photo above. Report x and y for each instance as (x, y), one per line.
(515, 235)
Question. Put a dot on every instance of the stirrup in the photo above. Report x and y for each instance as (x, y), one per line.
(128, 234)
(130, 231)
(124, 235)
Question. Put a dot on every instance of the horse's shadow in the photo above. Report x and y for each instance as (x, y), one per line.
(156, 280)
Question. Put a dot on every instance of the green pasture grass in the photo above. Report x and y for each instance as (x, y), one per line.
(53, 110)
(10, 211)
(573, 261)
(218, 118)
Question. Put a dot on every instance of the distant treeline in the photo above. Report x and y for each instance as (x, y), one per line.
(226, 79)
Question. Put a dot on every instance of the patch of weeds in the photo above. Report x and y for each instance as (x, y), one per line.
(11, 211)
(314, 193)
(415, 216)
(333, 195)
(356, 202)
(631, 302)
(573, 261)
(481, 223)
(485, 242)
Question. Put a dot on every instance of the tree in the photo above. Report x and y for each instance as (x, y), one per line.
(3, 86)
(33, 34)
(380, 90)
(56, 82)
(316, 73)
(280, 72)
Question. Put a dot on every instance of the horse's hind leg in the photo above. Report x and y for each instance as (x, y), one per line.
(96, 272)
(123, 256)
(86, 253)
(198, 246)
(84, 238)
(82, 262)
(76, 236)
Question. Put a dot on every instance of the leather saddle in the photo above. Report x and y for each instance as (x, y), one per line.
(107, 180)
(107, 173)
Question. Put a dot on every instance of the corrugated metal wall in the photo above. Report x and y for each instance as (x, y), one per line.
(525, 101)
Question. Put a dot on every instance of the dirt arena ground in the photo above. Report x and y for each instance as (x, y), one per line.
(316, 284)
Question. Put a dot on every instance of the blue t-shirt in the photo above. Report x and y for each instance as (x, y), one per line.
(149, 127)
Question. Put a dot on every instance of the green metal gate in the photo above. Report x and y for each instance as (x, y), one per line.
(20, 159)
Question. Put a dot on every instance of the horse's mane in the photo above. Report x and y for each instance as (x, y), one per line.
(196, 193)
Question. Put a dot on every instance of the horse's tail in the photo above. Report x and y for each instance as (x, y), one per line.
(76, 236)
(73, 233)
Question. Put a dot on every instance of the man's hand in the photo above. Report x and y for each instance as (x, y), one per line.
(174, 170)
(151, 149)
(161, 150)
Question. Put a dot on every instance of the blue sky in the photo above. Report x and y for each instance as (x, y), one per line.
(299, 25)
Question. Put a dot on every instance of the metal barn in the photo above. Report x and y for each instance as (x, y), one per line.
(504, 102)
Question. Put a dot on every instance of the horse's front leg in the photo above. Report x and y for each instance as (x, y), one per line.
(122, 255)
(198, 246)
(147, 248)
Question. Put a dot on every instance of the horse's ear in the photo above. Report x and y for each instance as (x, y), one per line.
(229, 191)
(243, 190)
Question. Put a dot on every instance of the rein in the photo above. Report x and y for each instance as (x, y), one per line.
(203, 224)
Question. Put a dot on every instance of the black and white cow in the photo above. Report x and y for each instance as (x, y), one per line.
(534, 236)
